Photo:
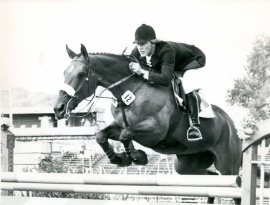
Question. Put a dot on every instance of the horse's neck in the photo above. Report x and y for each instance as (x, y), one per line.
(112, 71)
(110, 68)
(132, 84)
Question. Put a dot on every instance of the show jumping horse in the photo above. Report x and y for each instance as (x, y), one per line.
(148, 114)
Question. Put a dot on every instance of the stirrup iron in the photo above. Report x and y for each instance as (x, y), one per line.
(194, 139)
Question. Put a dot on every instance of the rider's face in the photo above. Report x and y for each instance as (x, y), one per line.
(146, 49)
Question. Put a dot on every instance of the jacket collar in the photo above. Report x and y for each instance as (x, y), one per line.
(143, 59)
(154, 58)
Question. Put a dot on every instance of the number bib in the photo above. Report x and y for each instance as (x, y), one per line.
(128, 97)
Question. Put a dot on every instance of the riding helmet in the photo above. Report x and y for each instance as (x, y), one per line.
(144, 33)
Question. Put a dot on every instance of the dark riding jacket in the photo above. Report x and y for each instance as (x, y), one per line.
(169, 57)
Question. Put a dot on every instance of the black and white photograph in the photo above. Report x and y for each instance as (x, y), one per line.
(135, 102)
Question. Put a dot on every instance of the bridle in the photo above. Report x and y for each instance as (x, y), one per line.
(73, 94)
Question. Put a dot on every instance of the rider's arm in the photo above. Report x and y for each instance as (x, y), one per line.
(136, 67)
(161, 76)
(165, 75)
(145, 74)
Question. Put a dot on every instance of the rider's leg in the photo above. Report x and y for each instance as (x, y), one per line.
(190, 84)
(193, 107)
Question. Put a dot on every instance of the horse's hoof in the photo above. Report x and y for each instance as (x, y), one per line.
(139, 157)
(116, 160)
(125, 160)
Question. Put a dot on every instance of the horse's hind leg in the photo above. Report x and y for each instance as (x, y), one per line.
(195, 164)
(229, 163)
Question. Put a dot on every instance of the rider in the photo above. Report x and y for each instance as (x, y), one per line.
(163, 59)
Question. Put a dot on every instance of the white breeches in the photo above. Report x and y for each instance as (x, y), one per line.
(191, 80)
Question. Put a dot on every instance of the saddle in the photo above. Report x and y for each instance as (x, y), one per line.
(179, 96)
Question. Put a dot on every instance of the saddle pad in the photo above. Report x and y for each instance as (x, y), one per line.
(206, 108)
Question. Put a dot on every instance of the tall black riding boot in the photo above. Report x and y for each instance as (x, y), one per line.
(193, 109)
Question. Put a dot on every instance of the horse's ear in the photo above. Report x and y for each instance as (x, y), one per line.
(84, 52)
(71, 54)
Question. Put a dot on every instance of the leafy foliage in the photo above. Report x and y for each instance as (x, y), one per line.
(252, 91)
(50, 165)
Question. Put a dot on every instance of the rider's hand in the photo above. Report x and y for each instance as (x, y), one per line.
(135, 68)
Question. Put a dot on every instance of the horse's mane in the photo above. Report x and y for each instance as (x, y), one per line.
(104, 54)
(107, 54)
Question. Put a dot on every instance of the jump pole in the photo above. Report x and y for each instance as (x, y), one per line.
(225, 192)
(107, 179)
(8, 200)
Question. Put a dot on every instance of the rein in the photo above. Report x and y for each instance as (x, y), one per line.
(124, 79)
(120, 81)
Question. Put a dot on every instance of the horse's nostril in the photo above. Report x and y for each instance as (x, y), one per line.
(61, 108)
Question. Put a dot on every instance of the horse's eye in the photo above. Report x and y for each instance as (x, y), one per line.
(81, 74)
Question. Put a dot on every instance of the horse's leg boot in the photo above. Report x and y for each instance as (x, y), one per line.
(193, 108)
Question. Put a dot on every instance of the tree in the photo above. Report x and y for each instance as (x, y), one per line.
(25, 98)
(252, 91)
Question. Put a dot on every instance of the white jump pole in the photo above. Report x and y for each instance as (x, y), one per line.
(225, 192)
(159, 180)
(8, 200)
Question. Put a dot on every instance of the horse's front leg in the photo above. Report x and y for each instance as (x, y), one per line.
(139, 157)
(113, 131)
(126, 138)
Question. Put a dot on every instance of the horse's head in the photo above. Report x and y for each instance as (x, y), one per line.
(78, 85)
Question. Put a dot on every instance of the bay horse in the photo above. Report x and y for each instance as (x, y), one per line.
(147, 113)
